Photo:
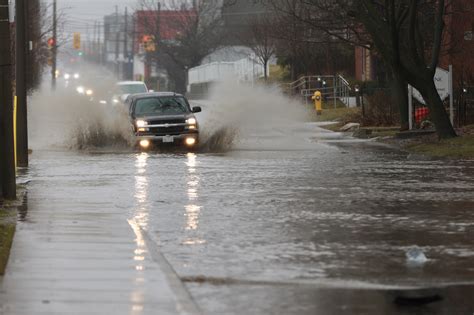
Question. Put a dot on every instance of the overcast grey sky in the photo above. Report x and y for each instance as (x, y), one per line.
(81, 14)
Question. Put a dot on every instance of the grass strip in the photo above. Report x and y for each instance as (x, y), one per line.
(460, 148)
(7, 231)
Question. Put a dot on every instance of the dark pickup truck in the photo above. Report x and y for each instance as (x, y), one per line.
(163, 118)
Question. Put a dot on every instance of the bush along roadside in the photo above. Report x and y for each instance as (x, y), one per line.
(8, 220)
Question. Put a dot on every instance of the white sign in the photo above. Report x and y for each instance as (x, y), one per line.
(11, 10)
(441, 80)
(469, 35)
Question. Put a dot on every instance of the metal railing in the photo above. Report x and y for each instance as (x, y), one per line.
(332, 88)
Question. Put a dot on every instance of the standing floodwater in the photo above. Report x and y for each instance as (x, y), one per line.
(285, 218)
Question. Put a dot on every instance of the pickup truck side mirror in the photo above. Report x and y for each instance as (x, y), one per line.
(197, 109)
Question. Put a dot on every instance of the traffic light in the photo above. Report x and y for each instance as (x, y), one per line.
(149, 43)
(51, 42)
(76, 42)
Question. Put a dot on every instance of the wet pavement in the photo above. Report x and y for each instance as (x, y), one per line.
(297, 222)
(76, 251)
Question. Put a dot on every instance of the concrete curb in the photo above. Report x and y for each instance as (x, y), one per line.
(185, 303)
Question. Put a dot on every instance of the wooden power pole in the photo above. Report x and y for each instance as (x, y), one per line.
(21, 85)
(117, 39)
(7, 155)
(125, 70)
(54, 49)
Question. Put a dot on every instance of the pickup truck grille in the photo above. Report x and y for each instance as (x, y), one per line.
(165, 127)
(167, 121)
(163, 131)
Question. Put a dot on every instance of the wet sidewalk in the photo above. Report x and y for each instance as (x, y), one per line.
(74, 255)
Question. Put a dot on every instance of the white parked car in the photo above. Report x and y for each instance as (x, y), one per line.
(125, 88)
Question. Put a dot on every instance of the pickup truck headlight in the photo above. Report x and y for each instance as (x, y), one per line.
(141, 123)
(191, 121)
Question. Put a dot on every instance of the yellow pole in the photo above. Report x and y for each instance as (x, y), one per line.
(14, 129)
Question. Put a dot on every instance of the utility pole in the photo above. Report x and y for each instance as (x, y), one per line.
(7, 155)
(132, 52)
(93, 41)
(87, 43)
(54, 49)
(21, 88)
(125, 47)
(117, 38)
(97, 42)
(101, 49)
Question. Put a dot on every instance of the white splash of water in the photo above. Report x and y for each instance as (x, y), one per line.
(65, 118)
(242, 116)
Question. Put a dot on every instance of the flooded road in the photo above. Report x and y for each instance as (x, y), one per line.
(284, 218)
(272, 228)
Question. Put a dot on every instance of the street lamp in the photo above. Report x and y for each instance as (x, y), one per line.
(357, 91)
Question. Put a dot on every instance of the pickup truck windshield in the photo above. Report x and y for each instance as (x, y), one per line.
(171, 105)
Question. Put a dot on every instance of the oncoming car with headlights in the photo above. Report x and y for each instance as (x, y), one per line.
(163, 118)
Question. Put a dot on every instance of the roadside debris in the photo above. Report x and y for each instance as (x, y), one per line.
(415, 256)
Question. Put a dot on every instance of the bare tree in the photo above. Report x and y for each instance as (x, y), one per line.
(402, 31)
(189, 34)
(327, 23)
(407, 34)
(40, 26)
(261, 40)
(37, 32)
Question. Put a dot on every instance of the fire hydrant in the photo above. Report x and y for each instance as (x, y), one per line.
(317, 102)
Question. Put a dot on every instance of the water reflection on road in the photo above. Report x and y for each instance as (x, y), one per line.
(307, 212)
(339, 215)
(137, 222)
(192, 210)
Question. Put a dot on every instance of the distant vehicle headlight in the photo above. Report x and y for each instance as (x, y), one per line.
(67, 76)
(103, 102)
(80, 90)
(141, 123)
(89, 92)
(76, 76)
(115, 101)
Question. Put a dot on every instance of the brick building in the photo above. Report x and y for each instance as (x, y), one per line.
(460, 41)
(364, 64)
(165, 24)
(457, 51)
